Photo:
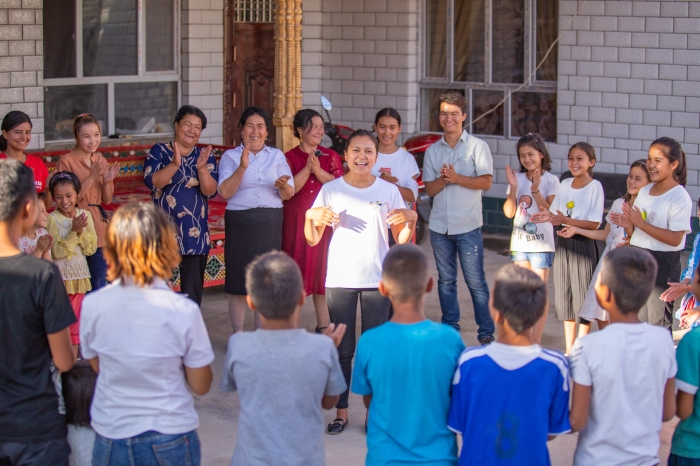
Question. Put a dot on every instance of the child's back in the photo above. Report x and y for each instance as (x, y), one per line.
(407, 368)
(281, 377)
(686, 438)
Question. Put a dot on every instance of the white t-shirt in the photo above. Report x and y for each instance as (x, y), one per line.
(616, 234)
(528, 236)
(81, 440)
(402, 165)
(628, 366)
(360, 239)
(144, 337)
(585, 203)
(671, 211)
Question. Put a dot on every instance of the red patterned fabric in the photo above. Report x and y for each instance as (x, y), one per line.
(312, 261)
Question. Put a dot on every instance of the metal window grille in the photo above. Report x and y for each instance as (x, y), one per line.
(254, 11)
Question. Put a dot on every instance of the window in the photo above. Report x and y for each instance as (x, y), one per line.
(116, 59)
(485, 49)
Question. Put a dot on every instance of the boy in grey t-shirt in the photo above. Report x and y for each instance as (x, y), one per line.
(284, 375)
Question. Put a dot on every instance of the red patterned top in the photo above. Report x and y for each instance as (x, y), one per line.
(312, 261)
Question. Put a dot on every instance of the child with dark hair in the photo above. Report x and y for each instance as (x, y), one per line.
(284, 375)
(35, 315)
(78, 390)
(74, 238)
(403, 428)
(38, 241)
(510, 397)
(623, 375)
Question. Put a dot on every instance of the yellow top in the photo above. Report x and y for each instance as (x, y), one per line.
(70, 248)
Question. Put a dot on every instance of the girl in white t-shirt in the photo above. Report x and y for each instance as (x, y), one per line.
(614, 236)
(531, 244)
(578, 203)
(659, 221)
(359, 207)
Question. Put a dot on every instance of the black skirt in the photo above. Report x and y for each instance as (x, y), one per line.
(575, 261)
(249, 233)
(655, 311)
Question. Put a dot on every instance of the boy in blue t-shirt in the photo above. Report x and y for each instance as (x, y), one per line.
(510, 397)
(403, 369)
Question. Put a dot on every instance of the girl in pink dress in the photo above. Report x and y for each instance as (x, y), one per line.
(312, 167)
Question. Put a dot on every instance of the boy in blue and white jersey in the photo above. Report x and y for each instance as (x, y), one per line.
(512, 396)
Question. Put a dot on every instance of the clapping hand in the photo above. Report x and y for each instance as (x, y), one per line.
(386, 176)
(245, 157)
(44, 243)
(558, 219)
(203, 158)
(512, 178)
(449, 173)
(282, 181)
(542, 216)
(323, 216)
(621, 220)
(98, 169)
(312, 163)
(335, 332)
(536, 179)
(674, 291)
(401, 216)
(79, 223)
(633, 215)
(111, 173)
(689, 317)
(567, 232)
(177, 158)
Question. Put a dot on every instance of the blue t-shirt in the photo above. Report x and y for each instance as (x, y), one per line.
(407, 368)
(686, 438)
(506, 400)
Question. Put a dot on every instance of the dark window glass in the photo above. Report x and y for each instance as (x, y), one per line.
(469, 37)
(436, 39)
(110, 38)
(534, 112)
(63, 103)
(547, 24)
(141, 108)
(430, 108)
(159, 35)
(59, 46)
(482, 102)
(508, 59)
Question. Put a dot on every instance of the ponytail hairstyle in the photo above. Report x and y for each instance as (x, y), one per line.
(535, 141)
(388, 112)
(84, 120)
(673, 151)
(12, 120)
(588, 149)
(641, 163)
(362, 132)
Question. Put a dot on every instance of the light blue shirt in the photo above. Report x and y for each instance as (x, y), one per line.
(408, 370)
(457, 209)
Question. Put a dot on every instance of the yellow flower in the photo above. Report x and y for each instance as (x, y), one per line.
(570, 205)
(644, 215)
(171, 201)
(194, 232)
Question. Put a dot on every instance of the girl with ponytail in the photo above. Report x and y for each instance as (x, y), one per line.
(16, 135)
(659, 221)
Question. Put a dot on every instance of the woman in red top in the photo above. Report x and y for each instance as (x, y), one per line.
(16, 136)
(312, 166)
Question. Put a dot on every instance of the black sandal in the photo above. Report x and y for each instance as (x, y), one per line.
(320, 329)
(337, 426)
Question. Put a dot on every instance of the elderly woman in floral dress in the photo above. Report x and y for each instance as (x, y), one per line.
(182, 177)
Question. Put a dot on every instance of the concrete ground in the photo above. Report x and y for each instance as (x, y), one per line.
(218, 410)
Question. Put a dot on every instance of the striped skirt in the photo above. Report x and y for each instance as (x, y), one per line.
(575, 261)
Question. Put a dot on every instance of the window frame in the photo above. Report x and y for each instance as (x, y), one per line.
(530, 63)
(142, 75)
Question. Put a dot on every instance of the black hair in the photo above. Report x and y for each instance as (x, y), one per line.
(78, 390)
(362, 132)
(520, 296)
(190, 110)
(16, 186)
(12, 120)
(388, 112)
(535, 141)
(673, 151)
(303, 119)
(405, 268)
(641, 163)
(275, 285)
(454, 98)
(64, 178)
(630, 274)
(253, 110)
(588, 149)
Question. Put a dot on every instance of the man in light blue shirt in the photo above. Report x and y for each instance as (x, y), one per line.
(456, 170)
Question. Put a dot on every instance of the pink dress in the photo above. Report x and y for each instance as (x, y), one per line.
(312, 260)
(28, 245)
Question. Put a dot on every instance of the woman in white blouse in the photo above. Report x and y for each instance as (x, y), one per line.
(255, 179)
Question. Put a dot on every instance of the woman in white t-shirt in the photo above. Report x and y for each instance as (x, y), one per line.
(359, 207)
(579, 203)
(614, 236)
(531, 244)
(660, 219)
(147, 343)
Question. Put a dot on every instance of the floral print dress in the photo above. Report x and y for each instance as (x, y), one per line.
(181, 198)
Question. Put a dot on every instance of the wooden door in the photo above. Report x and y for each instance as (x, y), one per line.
(250, 73)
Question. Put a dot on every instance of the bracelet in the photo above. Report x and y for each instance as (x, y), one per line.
(534, 192)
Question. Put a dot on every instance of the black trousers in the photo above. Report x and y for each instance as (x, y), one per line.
(54, 452)
(342, 307)
(655, 311)
(192, 276)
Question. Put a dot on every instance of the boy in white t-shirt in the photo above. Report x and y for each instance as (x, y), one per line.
(624, 375)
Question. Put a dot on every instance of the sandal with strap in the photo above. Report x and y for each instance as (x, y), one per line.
(337, 426)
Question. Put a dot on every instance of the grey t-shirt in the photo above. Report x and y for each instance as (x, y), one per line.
(281, 377)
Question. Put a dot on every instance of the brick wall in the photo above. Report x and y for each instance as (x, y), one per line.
(22, 62)
(203, 62)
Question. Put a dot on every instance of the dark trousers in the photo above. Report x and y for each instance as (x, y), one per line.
(342, 307)
(98, 269)
(192, 276)
(49, 452)
(655, 311)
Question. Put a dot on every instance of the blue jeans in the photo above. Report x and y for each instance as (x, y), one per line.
(98, 269)
(148, 449)
(470, 249)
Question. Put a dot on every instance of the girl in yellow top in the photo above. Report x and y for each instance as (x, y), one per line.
(74, 238)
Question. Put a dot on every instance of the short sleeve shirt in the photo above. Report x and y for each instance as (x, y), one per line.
(457, 209)
(402, 165)
(670, 211)
(528, 236)
(686, 438)
(41, 173)
(585, 203)
(182, 198)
